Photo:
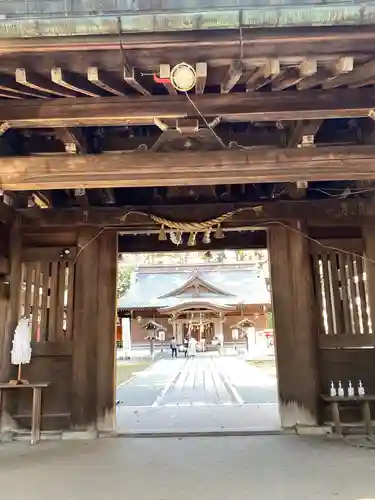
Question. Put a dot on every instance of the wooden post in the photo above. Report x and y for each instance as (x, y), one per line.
(85, 330)
(106, 338)
(12, 310)
(369, 266)
(295, 329)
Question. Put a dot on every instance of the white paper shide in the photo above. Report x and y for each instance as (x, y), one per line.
(21, 350)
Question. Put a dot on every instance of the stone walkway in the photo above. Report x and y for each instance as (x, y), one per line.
(204, 394)
(257, 467)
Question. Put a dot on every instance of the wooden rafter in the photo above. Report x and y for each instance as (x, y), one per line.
(263, 75)
(303, 128)
(232, 76)
(291, 76)
(61, 78)
(232, 107)
(104, 82)
(39, 83)
(8, 84)
(131, 79)
(358, 77)
(165, 73)
(194, 168)
(73, 140)
(341, 66)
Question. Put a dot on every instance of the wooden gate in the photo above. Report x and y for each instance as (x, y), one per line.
(47, 296)
(346, 339)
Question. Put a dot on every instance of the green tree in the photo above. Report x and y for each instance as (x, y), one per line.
(123, 280)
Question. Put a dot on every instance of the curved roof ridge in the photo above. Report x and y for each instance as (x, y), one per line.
(196, 277)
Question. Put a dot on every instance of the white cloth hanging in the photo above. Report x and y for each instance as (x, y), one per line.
(21, 350)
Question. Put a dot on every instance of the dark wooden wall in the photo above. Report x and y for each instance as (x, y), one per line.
(67, 281)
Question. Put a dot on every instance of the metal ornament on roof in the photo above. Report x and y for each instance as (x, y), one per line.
(183, 77)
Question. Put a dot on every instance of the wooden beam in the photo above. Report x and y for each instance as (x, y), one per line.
(291, 76)
(257, 43)
(341, 66)
(328, 212)
(234, 240)
(102, 81)
(73, 139)
(194, 168)
(36, 82)
(256, 106)
(359, 75)
(61, 78)
(303, 128)
(263, 75)
(131, 79)
(201, 73)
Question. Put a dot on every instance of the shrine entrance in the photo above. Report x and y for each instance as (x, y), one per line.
(213, 306)
(322, 292)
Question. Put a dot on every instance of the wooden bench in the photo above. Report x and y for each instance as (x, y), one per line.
(362, 401)
(37, 405)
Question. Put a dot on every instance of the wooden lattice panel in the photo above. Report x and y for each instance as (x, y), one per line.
(47, 296)
(341, 294)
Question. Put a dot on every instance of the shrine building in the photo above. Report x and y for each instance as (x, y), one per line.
(205, 301)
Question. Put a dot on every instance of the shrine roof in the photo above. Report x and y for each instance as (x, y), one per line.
(220, 286)
(34, 18)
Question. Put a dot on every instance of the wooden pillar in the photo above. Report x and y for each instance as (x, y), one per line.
(369, 265)
(295, 327)
(11, 305)
(106, 338)
(85, 330)
(93, 405)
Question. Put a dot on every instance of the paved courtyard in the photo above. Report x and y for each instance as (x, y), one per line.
(206, 393)
(255, 467)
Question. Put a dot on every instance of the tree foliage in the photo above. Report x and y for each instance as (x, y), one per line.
(123, 280)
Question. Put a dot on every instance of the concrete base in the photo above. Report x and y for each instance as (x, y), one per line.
(313, 430)
(79, 435)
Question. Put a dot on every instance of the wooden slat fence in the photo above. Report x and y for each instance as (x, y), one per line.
(47, 297)
(341, 294)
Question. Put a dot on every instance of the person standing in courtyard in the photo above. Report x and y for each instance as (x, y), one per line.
(174, 347)
(192, 348)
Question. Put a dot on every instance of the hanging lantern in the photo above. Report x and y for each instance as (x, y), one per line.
(139, 319)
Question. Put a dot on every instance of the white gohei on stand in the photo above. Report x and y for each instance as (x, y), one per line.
(21, 350)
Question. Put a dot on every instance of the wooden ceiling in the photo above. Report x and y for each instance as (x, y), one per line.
(65, 102)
